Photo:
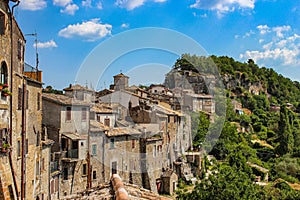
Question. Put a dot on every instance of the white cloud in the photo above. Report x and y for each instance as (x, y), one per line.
(132, 4)
(43, 45)
(87, 3)
(33, 4)
(99, 5)
(70, 9)
(223, 6)
(280, 29)
(263, 29)
(282, 49)
(125, 25)
(284, 56)
(248, 34)
(90, 30)
(267, 46)
(200, 15)
(61, 2)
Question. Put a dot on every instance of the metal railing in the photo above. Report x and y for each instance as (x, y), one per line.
(73, 153)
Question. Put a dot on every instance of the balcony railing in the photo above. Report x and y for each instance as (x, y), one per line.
(54, 166)
(73, 153)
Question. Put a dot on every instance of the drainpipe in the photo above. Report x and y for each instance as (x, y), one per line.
(11, 89)
(23, 138)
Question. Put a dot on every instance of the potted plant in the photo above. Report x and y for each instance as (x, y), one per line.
(6, 92)
(1, 86)
(5, 146)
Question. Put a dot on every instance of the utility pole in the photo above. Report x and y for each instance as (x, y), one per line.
(89, 181)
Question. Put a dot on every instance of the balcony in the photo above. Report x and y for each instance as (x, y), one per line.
(70, 155)
(54, 166)
(73, 153)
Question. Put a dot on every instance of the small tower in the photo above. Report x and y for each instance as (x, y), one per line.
(120, 82)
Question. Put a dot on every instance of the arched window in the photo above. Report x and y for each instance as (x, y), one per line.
(3, 73)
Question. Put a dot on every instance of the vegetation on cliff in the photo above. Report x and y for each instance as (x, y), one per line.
(262, 127)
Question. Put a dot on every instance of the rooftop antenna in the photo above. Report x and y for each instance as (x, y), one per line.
(36, 52)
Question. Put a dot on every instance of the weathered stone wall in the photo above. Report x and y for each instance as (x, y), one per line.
(77, 179)
(52, 121)
(76, 124)
(34, 156)
(126, 156)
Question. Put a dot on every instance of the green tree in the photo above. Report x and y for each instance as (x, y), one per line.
(200, 124)
(286, 138)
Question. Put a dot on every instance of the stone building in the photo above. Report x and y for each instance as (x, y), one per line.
(66, 119)
(120, 82)
(158, 89)
(199, 102)
(115, 150)
(169, 182)
(23, 167)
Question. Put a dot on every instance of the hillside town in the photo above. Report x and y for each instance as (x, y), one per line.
(76, 144)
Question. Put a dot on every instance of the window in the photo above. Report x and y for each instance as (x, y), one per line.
(20, 96)
(3, 72)
(37, 168)
(20, 50)
(2, 135)
(83, 114)
(52, 186)
(64, 144)
(26, 146)
(94, 175)
(94, 149)
(11, 192)
(43, 164)
(56, 184)
(19, 148)
(133, 143)
(65, 173)
(84, 169)
(114, 168)
(107, 122)
(38, 139)
(154, 151)
(38, 101)
(112, 143)
(68, 113)
(2, 23)
(98, 117)
(27, 98)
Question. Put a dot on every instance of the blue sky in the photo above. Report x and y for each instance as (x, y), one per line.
(68, 30)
